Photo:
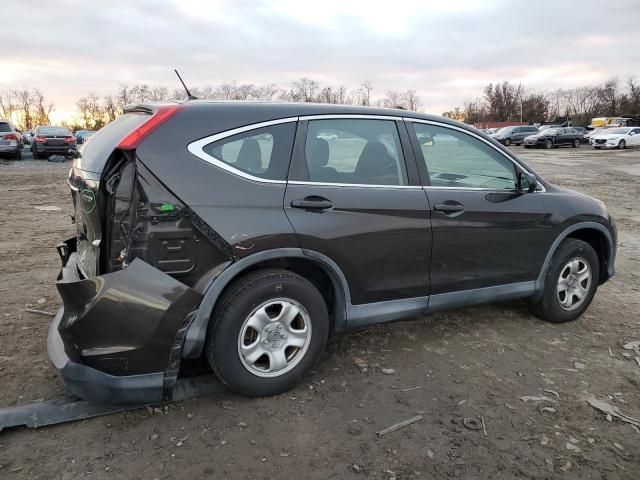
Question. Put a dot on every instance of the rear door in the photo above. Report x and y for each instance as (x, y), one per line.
(485, 232)
(354, 196)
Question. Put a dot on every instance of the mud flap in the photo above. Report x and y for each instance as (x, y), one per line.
(126, 323)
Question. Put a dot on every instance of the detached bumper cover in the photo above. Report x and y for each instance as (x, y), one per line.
(96, 386)
(119, 336)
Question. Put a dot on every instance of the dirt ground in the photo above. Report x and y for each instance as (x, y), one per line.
(472, 363)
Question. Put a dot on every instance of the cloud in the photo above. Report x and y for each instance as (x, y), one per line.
(445, 50)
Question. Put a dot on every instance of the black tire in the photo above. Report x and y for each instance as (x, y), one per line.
(507, 142)
(527, 146)
(576, 143)
(35, 153)
(17, 155)
(548, 144)
(597, 148)
(239, 300)
(548, 306)
(622, 145)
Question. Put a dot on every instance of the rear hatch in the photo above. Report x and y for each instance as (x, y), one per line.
(8, 137)
(85, 179)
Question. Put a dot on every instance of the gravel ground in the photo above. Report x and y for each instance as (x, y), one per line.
(472, 363)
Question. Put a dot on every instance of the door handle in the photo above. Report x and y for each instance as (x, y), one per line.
(448, 208)
(314, 203)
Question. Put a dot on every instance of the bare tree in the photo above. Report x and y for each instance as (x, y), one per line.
(110, 108)
(123, 97)
(394, 99)
(412, 100)
(304, 90)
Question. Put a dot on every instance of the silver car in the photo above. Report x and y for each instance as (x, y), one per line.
(10, 143)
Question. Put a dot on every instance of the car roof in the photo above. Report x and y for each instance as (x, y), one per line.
(274, 110)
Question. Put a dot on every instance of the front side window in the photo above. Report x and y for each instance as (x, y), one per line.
(264, 152)
(355, 151)
(458, 160)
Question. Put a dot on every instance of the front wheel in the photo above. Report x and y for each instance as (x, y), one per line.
(622, 145)
(507, 142)
(548, 144)
(570, 283)
(17, 155)
(267, 332)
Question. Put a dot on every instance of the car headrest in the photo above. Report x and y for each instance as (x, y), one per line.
(374, 160)
(250, 155)
(317, 151)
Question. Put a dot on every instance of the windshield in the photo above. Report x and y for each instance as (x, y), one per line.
(618, 131)
(552, 131)
(505, 129)
(53, 131)
(5, 127)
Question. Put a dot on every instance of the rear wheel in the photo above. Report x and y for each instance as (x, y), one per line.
(622, 145)
(18, 155)
(576, 143)
(570, 283)
(267, 332)
(548, 143)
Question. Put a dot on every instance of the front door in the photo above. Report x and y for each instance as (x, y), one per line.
(485, 232)
(352, 197)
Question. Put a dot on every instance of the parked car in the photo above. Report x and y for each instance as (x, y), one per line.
(545, 127)
(83, 135)
(26, 137)
(515, 135)
(582, 131)
(10, 142)
(49, 141)
(621, 138)
(554, 137)
(234, 231)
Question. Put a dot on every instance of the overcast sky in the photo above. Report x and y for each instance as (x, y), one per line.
(446, 50)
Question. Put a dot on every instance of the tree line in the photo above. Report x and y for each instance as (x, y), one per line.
(27, 106)
(510, 102)
(95, 111)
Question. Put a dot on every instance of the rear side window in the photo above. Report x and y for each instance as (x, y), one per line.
(355, 151)
(94, 154)
(264, 152)
(5, 127)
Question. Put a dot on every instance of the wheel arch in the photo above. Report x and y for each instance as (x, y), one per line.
(323, 272)
(596, 235)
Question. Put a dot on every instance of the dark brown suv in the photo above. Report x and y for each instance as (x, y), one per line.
(251, 232)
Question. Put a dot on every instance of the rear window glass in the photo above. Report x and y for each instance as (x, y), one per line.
(53, 131)
(94, 154)
(5, 127)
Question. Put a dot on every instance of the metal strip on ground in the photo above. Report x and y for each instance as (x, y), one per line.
(69, 409)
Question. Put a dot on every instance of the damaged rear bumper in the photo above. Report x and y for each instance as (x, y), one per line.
(118, 337)
(100, 387)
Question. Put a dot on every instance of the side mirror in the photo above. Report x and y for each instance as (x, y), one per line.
(527, 182)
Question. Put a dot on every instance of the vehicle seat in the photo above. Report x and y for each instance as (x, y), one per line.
(376, 166)
(317, 152)
(250, 156)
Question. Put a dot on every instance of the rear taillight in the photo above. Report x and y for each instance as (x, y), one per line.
(161, 115)
(69, 139)
(11, 136)
(39, 139)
